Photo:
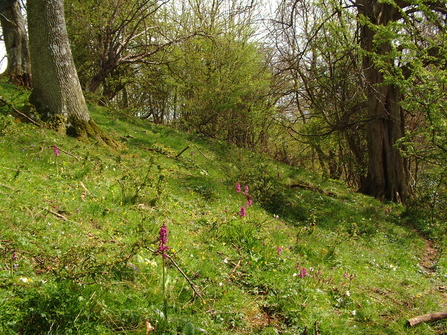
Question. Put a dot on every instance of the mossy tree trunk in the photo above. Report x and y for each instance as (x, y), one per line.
(388, 176)
(16, 43)
(57, 93)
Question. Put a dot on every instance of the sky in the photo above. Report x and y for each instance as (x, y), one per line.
(3, 62)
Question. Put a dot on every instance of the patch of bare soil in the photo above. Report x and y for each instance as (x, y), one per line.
(430, 256)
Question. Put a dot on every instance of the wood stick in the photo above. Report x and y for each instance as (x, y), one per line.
(19, 112)
(70, 154)
(7, 168)
(8, 187)
(178, 155)
(201, 153)
(85, 188)
(236, 266)
(427, 318)
(193, 286)
(57, 214)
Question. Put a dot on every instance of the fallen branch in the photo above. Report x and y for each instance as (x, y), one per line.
(307, 187)
(60, 216)
(157, 151)
(8, 187)
(236, 266)
(427, 318)
(193, 286)
(86, 191)
(7, 168)
(178, 155)
(19, 112)
(201, 153)
(70, 154)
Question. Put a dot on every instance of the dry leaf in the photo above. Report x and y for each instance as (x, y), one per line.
(149, 327)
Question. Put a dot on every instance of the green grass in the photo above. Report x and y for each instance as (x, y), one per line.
(78, 230)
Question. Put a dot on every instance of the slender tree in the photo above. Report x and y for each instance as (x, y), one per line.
(323, 103)
(113, 40)
(16, 43)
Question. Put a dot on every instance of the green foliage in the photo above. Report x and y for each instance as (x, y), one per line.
(146, 187)
(5, 123)
(188, 329)
(427, 211)
(223, 89)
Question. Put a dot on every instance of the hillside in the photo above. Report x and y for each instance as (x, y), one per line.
(80, 224)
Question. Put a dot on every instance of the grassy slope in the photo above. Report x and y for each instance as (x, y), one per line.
(76, 231)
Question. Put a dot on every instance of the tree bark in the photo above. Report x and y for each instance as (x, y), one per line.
(387, 176)
(16, 43)
(57, 93)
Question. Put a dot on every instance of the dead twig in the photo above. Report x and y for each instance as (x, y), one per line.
(86, 191)
(236, 266)
(7, 168)
(193, 286)
(8, 187)
(70, 154)
(60, 216)
(36, 153)
(200, 152)
(178, 155)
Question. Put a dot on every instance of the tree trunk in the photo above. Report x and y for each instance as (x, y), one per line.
(16, 43)
(57, 93)
(387, 176)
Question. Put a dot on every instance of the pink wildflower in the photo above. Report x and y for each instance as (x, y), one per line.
(249, 202)
(303, 273)
(246, 189)
(163, 247)
(279, 250)
(243, 212)
(238, 187)
(56, 150)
